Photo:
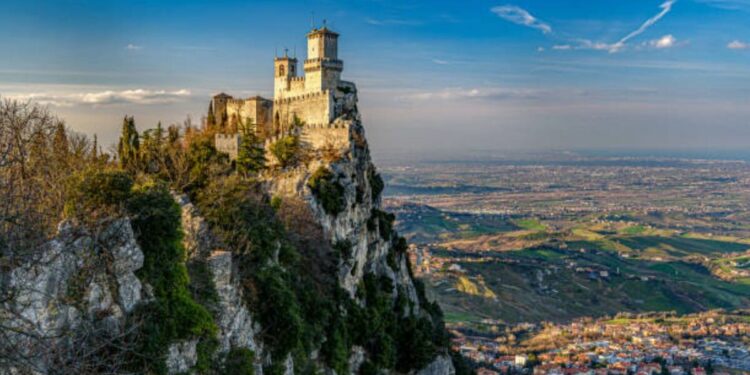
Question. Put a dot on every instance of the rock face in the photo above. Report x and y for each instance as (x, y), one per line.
(442, 365)
(235, 323)
(370, 249)
(68, 284)
(355, 172)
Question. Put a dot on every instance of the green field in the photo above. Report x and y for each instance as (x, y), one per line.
(681, 246)
(530, 224)
(634, 285)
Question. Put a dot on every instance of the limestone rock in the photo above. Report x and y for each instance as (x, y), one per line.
(182, 356)
(442, 365)
(236, 326)
(67, 282)
(356, 359)
(234, 320)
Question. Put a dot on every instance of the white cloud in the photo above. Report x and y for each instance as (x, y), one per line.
(136, 96)
(736, 44)
(520, 16)
(133, 47)
(562, 47)
(474, 93)
(667, 41)
(540, 49)
(440, 62)
(666, 7)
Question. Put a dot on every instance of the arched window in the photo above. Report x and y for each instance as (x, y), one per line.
(281, 70)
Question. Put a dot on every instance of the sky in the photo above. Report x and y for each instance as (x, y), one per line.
(433, 76)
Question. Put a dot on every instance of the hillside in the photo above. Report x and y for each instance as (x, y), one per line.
(174, 259)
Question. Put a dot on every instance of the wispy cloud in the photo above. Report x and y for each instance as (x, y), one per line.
(133, 47)
(440, 62)
(108, 97)
(736, 44)
(666, 7)
(520, 16)
(392, 21)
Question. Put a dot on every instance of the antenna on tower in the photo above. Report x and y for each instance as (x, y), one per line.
(312, 20)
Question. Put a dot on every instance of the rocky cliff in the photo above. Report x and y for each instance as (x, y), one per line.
(224, 279)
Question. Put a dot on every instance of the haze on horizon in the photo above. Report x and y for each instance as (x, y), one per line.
(433, 75)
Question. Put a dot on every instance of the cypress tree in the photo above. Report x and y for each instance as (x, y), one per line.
(95, 149)
(129, 145)
(211, 119)
(60, 140)
(159, 136)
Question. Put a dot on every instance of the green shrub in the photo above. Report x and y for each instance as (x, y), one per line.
(92, 190)
(287, 150)
(382, 221)
(276, 202)
(279, 314)
(376, 184)
(173, 315)
(239, 361)
(205, 163)
(201, 286)
(343, 249)
(327, 190)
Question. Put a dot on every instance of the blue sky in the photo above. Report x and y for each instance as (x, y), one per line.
(433, 75)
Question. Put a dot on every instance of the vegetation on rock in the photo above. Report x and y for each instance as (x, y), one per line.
(327, 190)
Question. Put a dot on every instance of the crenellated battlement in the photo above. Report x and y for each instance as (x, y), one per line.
(302, 96)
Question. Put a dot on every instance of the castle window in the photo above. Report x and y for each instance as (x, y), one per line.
(281, 70)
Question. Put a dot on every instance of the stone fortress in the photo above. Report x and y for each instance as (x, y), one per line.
(320, 99)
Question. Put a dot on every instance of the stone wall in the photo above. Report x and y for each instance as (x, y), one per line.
(314, 109)
(228, 144)
(334, 135)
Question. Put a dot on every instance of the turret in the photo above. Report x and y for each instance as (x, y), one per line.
(285, 68)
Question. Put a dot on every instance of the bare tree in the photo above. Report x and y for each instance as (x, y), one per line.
(38, 154)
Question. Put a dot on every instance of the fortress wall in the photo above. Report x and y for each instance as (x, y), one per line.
(319, 138)
(242, 109)
(228, 144)
(296, 86)
(313, 109)
(258, 110)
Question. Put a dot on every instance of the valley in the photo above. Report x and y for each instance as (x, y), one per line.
(560, 237)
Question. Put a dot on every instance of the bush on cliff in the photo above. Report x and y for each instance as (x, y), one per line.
(327, 190)
(376, 184)
(173, 315)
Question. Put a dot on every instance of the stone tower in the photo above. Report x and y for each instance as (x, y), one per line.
(322, 67)
(285, 69)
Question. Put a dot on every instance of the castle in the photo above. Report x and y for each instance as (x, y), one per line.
(317, 99)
